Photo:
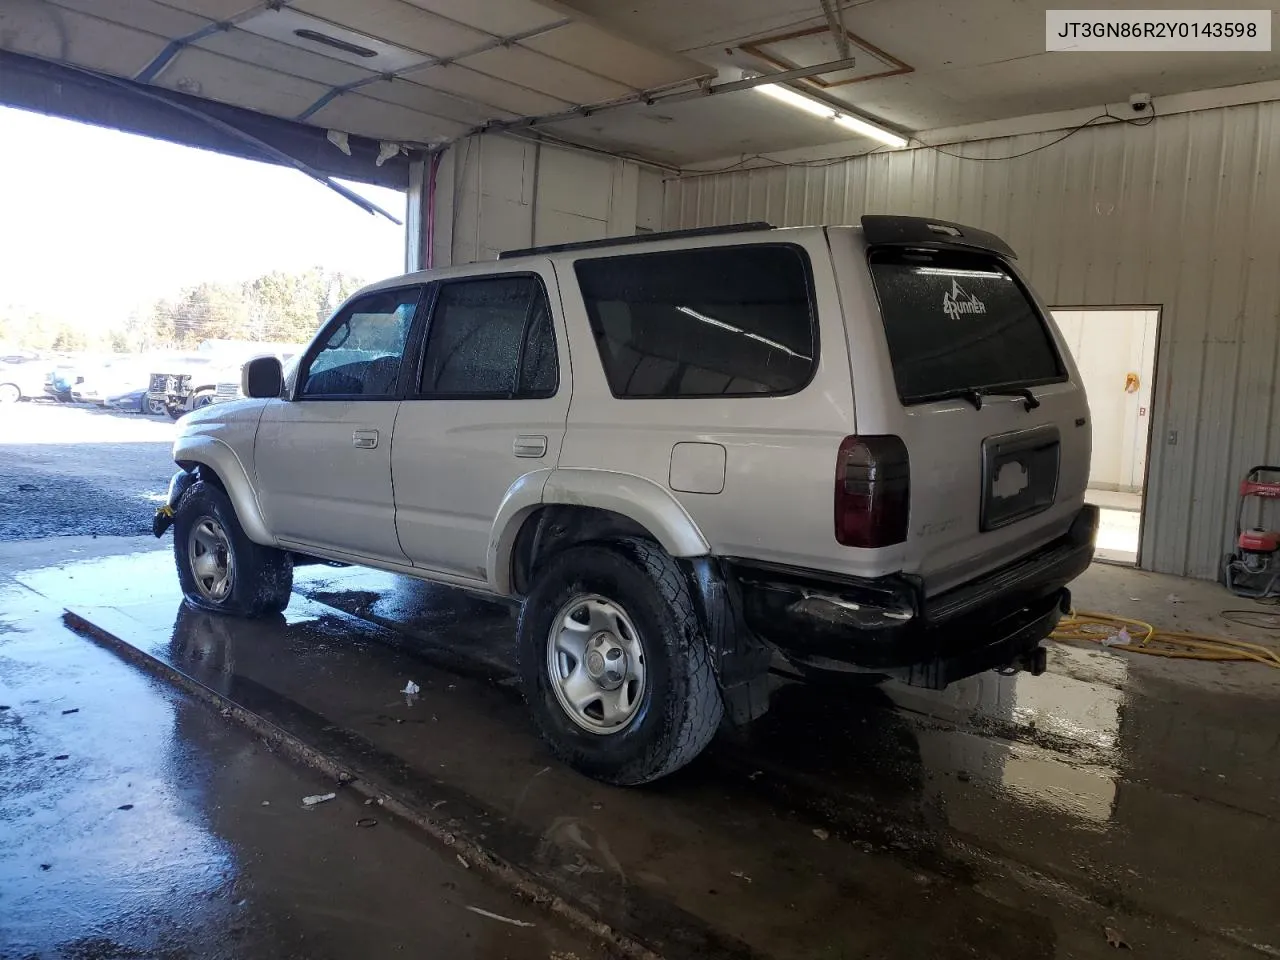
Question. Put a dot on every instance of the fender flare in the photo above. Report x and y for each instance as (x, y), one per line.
(222, 459)
(631, 496)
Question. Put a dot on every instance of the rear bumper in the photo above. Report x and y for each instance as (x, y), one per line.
(887, 626)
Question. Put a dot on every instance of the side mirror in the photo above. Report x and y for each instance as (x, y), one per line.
(262, 377)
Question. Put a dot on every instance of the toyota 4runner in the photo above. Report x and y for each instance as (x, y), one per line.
(691, 455)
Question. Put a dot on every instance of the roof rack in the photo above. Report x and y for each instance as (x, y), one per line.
(639, 238)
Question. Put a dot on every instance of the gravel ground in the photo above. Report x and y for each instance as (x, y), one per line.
(71, 469)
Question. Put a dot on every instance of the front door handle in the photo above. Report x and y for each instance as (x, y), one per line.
(530, 447)
(365, 439)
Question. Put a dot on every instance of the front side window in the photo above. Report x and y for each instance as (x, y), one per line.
(361, 355)
(959, 321)
(491, 338)
(710, 322)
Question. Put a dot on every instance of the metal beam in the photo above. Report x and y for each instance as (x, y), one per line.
(651, 98)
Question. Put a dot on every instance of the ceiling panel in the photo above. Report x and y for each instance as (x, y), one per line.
(53, 33)
(488, 90)
(274, 55)
(384, 121)
(533, 70)
(143, 14)
(506, 18)
(220, 10)
(204, 74)
(709, 128)
(684, 26)
(609, 55)
(417, 97)
(399, 23)
(322, 37)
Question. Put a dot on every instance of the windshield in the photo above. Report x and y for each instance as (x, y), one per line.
(959, 321)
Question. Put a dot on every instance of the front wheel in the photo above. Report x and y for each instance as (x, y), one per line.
(219, 567)
(153, 406)
(614, 663)
(10, 393)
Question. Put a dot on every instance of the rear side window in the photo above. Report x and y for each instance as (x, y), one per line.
(959, 321)
(491, 338)
(711, 322)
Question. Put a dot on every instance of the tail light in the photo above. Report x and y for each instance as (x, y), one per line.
(873, 491)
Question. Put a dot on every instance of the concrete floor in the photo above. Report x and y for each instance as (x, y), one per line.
(1013, 817)
(136, 822)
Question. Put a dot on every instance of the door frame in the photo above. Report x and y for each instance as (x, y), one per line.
(1155, 387)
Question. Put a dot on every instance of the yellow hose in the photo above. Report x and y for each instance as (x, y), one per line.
(1097, 627)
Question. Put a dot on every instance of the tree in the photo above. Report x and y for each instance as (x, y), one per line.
(277, 306)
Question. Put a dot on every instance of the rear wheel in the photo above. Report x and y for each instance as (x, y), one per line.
(10, 393)
(202, 399)
(614, 663)
(153, 406)
(219, 567)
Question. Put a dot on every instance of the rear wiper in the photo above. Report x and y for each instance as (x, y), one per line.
(1029, 399)
(963, 393)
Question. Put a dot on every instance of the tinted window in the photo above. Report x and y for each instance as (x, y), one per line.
(957, 321)
(491, 338)
(361, 355)
(721, 321)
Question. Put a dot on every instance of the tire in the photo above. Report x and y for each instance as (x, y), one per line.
(201, 399)
(10, 393)
(153, 407)
(173, 412)
(257, 580)
(676, 708)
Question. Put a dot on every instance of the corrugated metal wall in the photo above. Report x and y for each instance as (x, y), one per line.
(1183, 214)
(498, 193)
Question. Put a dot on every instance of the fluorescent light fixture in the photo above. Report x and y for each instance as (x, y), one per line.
(818, 109)
(797, 100)
(858, 125)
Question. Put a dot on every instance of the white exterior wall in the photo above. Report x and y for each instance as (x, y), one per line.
(497, 193)
(1183, 214)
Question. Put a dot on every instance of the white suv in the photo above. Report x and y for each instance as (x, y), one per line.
(861, 449)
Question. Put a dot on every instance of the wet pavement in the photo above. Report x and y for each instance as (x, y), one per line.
(1014, 817)
(136, 822)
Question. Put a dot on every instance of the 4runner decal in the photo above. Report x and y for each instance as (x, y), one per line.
(960, 300)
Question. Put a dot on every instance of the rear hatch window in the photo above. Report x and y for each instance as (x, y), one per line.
(959, 321)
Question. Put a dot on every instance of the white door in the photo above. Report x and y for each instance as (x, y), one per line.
(490, 407)
(1115, 352)
(323, 457)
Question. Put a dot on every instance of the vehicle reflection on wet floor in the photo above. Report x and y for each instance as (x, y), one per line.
(1003, 817)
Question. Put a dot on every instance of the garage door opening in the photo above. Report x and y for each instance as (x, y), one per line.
(1115, 349)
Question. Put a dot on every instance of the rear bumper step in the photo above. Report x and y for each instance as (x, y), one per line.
(887, 626)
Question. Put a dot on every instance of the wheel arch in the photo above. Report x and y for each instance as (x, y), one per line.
(205, 454)
(548, 510)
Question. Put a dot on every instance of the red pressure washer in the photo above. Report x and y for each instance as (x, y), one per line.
(1253, 571)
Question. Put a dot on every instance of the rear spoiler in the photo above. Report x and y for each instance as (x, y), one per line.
(937, 234)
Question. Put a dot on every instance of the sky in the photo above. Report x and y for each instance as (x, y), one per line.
(108, 221)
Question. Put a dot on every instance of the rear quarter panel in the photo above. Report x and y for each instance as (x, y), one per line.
(779, 452)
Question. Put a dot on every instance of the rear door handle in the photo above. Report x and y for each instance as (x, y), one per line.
(365, 439)
(530, 447)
